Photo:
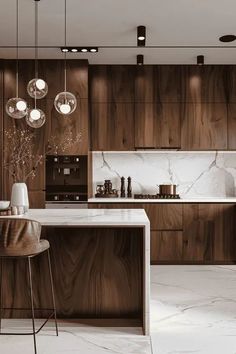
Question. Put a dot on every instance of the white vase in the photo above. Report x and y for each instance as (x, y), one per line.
(19, 196)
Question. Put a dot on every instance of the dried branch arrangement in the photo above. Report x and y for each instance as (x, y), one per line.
(20, 158)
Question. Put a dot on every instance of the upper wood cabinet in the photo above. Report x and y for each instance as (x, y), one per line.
(111, 83)
(160, 84)
(204, 126)
(157, 125)
(188, 107)
(112, 126)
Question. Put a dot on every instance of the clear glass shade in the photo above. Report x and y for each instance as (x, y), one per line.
(37, 88)
(35, 118)
(16, 107)
(65, 103)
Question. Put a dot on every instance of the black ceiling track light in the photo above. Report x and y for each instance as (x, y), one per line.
(141, 36)
(140, 59)
(227, 38)
(79, 49)
(200, 60)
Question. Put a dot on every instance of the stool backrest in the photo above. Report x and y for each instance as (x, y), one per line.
(18, 236)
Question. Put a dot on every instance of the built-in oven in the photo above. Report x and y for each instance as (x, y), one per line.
(66, 181)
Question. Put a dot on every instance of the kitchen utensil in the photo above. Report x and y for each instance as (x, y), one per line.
(169, 189)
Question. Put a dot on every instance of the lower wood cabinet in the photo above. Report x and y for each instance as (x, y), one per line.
(166, 246)
(188, 233)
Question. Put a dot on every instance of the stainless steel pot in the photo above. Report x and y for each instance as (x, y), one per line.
(167, 189)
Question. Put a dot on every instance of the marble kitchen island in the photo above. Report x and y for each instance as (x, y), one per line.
(101, 266)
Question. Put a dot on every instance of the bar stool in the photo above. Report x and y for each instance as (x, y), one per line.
(20, 239)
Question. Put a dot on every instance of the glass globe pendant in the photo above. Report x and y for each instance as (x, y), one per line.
(37, 87)
(16, 108)
(65, 103)
(35, 118)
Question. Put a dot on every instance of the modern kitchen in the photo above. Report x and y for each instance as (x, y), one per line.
(118, 177)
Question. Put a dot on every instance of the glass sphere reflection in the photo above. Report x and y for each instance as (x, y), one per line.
(16, 107)
(65, 103)
(37, 88)
(35, 118)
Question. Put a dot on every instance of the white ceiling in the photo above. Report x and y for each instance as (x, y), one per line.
(114, 22)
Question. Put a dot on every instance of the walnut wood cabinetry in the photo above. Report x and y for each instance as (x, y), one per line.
(169, 106)
(56, 125)
(188, 233)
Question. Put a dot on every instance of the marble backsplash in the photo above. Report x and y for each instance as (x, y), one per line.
(196, 174)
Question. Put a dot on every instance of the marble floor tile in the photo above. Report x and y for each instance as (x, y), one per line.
(193, 310)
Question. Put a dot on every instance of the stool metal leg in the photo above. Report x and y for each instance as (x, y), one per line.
(1, 280)
(52, 291)
(32, 303)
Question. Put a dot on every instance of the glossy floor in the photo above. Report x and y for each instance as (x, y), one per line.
(193, 310)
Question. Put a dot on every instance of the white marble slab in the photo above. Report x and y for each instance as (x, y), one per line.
(88, 217)
(182, 200)
(197, 174)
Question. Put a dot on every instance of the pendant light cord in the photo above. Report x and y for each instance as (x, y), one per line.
(36, 39)
(65, 77)
(36, 48)
(17, 48)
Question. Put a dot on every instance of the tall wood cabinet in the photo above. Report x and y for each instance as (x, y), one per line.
(56, 125)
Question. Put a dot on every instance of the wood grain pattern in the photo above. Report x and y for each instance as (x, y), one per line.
(204, 126)
(164, 216)
(205, 84)
(97, 274)
(158, 125)
(52, 72)
(161, 84)
(111, 83)
(112, 126)
(166, 246)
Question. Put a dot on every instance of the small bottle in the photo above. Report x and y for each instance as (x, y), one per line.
(129, 188)
(122, 187)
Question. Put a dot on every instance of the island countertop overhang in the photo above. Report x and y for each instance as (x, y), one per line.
(88, 217)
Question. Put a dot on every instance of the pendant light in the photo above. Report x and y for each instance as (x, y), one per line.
(65, 102)
(37, 87)
(16, 107)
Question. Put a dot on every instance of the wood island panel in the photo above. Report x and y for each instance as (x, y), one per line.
(97, 274)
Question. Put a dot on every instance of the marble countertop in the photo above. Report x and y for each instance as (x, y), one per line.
(87, 217)
(182, 200)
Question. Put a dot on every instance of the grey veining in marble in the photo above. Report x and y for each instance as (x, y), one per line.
(197, 174)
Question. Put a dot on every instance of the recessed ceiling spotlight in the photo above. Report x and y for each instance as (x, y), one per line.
(227, 38)
(64, 50)
(141, 36)
(200, 60)
(84, 50)
(74, 50)
(140, 59)
(93, 50)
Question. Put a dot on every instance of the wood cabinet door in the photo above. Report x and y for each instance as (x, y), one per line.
(157, 125)
(112, 126)
(166, 246)
(204, 126)
(164, 216)
(209, 233)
